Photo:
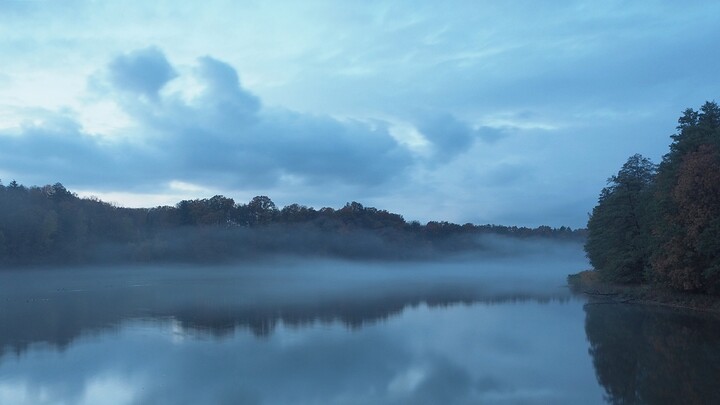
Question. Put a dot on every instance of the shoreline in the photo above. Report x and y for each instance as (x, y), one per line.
(588, 283)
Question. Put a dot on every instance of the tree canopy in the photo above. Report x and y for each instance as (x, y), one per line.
(618, 224)
(51, 225)
(663, 225)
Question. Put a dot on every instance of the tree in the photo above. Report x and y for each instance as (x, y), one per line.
(296, 213)
(685, 228)
(262, 210)
(689, 259)
(617, 227)
(219, 209)
(695, 128)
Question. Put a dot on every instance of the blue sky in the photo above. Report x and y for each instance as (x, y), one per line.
(509, 112)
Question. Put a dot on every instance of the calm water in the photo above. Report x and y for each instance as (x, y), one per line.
(498, 330)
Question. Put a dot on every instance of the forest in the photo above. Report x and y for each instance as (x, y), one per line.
(51, 225)
(660, 224)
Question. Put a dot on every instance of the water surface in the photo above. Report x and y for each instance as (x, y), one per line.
(499, 330)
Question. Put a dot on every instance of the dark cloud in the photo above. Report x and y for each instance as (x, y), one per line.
(451, 136)
(143, 71)
(224, 131)
(221, 137)
(448, 135)
(328, 148)
(53, 147)
(223, 90)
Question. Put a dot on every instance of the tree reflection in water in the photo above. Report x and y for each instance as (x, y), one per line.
(651, 355)
(58, 307)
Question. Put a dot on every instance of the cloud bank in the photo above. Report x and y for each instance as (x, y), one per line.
(220, 135)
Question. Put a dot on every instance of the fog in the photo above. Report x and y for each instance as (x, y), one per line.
(214, 245)
(56, 305)
(300, 330)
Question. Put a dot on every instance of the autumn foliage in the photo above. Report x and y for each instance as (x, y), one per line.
(663, 226)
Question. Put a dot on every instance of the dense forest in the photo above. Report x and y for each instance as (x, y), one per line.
(51, 225)
(660, 224)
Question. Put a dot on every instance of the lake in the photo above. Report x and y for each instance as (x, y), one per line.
(497, 328)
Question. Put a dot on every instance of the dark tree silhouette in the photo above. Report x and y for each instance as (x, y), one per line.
(664, 226)
(616, 243)
(51, 225)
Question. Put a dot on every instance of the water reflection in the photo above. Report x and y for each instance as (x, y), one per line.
(460, 354)
(330, 335)
(333, 332)
(57, 306)
(651, 355)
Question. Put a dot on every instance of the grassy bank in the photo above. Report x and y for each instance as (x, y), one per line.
(588, 283)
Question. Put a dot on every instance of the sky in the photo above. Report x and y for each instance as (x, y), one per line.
(512, 112)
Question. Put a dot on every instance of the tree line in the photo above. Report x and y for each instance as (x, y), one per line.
(51, 225)
(660, 224)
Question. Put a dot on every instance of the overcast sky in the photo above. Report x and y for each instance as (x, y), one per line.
(512, 112)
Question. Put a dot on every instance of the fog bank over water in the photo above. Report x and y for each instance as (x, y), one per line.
(208, 245)
(58, 305)
(487, 327)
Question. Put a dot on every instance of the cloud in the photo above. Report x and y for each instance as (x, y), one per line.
(223, 89)
(53, 147)
(220, 136)
(143, 72)
(223, 130)
(326, 148)
(450, 136)
(638, 66)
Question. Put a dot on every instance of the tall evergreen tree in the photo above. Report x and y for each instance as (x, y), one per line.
(617, 228)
